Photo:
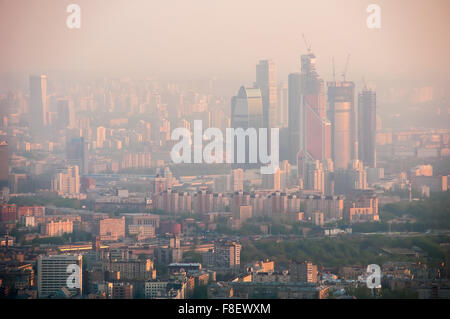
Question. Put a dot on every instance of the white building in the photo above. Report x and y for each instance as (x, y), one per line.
(67, 181)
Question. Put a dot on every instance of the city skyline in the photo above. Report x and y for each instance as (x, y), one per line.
(224, 150)
(395, 46)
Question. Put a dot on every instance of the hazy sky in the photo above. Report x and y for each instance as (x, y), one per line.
(226, 38)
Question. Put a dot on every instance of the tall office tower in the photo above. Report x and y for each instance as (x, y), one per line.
(309, 128)
(238, 180)
(312, 85)
(342, 117)
(283, 104)
(246, 112)
(317, 134)
(367, 127)
(77, 154)
(266, 82)
(4, 164)
(53, 275)
(294, 114)
(66, 115)
(38, 103)
(316, 129)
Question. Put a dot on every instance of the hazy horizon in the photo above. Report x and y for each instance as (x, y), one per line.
(190, 40)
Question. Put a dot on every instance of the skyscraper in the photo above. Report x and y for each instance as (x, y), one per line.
(66, 116)
(247, 109)
(77, 154)
(38, 102)
(294, 121)
(316, 129)
(309, 128)
(342, 118)
(283, 104)
(246, 113)
(312, 85)
(4, 164)
(266, 82)
(367, 126)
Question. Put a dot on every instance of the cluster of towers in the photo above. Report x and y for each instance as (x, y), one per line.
(325, 132)
(319, 131)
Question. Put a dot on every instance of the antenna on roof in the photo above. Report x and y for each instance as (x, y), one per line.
(364, 83)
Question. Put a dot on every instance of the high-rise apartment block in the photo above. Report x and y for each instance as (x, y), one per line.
(238, 180)
(226, 255)
(54, 272)
(67, 181)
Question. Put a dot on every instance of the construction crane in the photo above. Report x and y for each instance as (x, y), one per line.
(344, 72)
(364, 83)
(308, 47)
(334, 70)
